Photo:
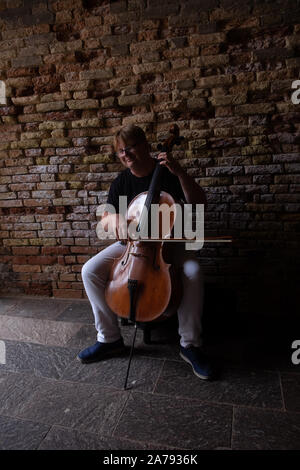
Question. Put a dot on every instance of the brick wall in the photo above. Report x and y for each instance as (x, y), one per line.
(76, 70)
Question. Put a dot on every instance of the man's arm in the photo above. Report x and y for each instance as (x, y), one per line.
(193, 193)
(114, 223)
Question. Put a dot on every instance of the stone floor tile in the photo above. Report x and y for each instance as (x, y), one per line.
(48, 309)
(182, 423)
(291, 391)
(257, 429)
(17, 434)
(234, 386)
(37, 359)
(111, 372)
(15, 390)
(36, 330)
(71, 439)
(85, 407)
(85, 336)
(7, 304)
(77, 312)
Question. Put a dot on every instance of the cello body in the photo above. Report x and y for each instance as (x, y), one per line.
(144, 262)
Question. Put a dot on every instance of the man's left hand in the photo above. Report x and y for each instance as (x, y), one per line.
(165, 159)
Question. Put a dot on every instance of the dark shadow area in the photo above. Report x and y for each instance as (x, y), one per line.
(256, 339)
(261, 338)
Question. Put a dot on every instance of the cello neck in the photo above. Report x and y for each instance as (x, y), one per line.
(154, 188)
(153, 195)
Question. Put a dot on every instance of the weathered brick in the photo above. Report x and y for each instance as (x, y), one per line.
(209, 181)
(15, 242)
(180, 21)
(199, 39)
(214, 81)
(101, 74)
(83, 123)
(18, 268)
(27, 61)
(25, 100)
(11, 203)
(160, 10)
(54, 106)
(292, 167)
(134, 100)
(223, 170)
(272, 53)
(112, 40)
(37, 202)
(145, 47)
(65, 201)
(52, 125)
(82, 104)
(55, 142)
(152, 67)
(256, 149)
(76, 85)
(43, 194)
(196, 103)
(185, 84)
(260, 108)
(25, 250)
(228, 100)
(210, 60)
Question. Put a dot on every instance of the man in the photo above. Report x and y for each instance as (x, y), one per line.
(133, 150)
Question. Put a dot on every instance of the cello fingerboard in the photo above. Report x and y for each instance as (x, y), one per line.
(152, 198)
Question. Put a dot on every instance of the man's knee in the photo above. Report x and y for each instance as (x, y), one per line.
(192, 270)
(86, 271)
(95, 269)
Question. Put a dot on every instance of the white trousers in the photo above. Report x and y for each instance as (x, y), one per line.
(95, 274)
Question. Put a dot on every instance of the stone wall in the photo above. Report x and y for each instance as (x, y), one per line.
(223, 70)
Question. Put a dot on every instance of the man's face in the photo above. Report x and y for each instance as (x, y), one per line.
(132, 154)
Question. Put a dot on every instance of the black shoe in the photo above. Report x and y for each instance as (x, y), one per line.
(200, 364)
(100, 351)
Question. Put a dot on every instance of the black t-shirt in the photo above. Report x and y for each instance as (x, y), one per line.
(126, 184)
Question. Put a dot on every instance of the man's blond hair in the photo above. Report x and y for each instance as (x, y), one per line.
(130, 134)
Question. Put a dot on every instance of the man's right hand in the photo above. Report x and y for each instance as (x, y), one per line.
(115, 224)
